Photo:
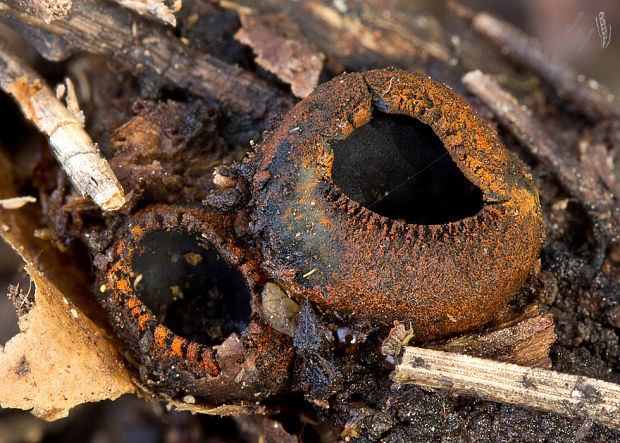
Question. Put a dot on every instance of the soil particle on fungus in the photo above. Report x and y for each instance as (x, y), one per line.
(348, 336)
(279, 310)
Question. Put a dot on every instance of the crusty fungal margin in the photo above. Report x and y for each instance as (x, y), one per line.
(246, 364)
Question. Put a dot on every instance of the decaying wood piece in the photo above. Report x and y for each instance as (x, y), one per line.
(359, 32)
(282, 49)
(46, 10)
(524, 341)
(524, 50)
(143, 47)
(160, 9)
(583, 183)
(541, 389)
(73, 148)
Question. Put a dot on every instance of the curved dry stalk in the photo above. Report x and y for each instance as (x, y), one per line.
(591, 98)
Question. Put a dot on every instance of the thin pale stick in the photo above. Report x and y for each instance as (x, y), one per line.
(74, 149)
(541, 389)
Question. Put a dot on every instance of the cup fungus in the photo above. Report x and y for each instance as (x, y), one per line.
(383, 196)
(181, 293)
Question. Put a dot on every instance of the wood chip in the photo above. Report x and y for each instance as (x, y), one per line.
(524, 341)
(281, 48)
(16, 202)
(160, 9)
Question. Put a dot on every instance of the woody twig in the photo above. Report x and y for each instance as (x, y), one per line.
(541, 389)
(74, 149)
(521, 48)
(108, 29)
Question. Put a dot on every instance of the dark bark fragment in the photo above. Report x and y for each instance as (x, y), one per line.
(141, 45)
